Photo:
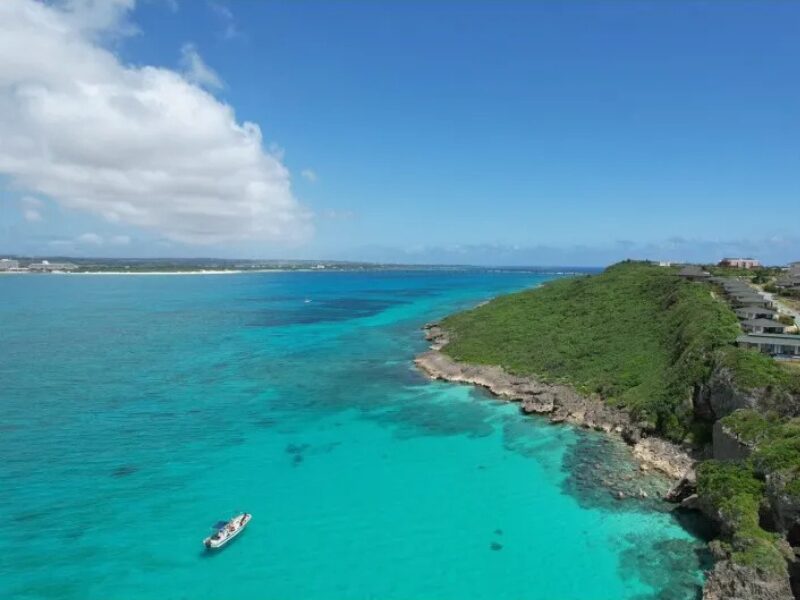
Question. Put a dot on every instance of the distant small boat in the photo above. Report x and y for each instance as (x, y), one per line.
(307, 301)
(228, 531)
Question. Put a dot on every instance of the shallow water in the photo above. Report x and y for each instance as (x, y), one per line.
(136, 412)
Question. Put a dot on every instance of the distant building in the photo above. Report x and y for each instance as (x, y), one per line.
(694, 273)
(8, 264)
(790, 280)
(47, 267)
(665, 263)
(786, 345)
(739, 263)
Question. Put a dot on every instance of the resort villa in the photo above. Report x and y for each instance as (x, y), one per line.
(763, 326)
(694, 273)
(750, 299)
(785, 345)
(755, 312)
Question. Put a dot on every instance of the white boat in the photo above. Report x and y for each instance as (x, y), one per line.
(228, 531)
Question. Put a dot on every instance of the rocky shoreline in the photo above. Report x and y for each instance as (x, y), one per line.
(560, 403)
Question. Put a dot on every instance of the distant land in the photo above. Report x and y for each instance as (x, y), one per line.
(70, 264)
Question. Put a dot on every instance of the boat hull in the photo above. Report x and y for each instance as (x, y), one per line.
(232, 529)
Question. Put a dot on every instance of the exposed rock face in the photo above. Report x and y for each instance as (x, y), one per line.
(435, 335)
(728, 445)
(685, 487)
(784, 508)
(561, 402)
(734, 582)
(719, 397)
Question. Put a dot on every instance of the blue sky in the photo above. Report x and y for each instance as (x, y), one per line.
(495, 133)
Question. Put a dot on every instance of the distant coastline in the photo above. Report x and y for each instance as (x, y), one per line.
(138, 272)
(58, 265)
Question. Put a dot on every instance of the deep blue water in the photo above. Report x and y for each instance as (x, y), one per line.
(137, 411)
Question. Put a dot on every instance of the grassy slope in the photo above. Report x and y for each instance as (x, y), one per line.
(637, 335)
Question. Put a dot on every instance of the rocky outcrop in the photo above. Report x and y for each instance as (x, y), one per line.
(729, 581)
(728, 445)
(784, 507)
(664, 456)
(684, 488)
(562, 403)
(435, 335)
(719, 397)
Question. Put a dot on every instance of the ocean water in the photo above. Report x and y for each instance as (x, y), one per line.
(136, 412)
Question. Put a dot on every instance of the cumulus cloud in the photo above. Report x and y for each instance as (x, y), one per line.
(309, 175)
(138, 145)
(196, 70)
(31, 208)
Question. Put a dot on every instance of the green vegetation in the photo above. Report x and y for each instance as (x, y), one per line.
(735, 492)
(750, 426)
(637, 335)
(757, 275)
(753, 370)
(643, 339)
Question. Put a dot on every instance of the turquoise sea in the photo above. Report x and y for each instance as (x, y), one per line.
(137, 411)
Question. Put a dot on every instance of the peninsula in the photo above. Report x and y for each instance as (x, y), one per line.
(643, 352)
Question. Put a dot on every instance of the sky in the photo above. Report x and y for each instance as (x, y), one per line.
(502, 133)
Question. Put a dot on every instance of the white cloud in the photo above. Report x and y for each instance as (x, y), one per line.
(32, 215)
(196, 70)
(309, 175)
(137, 145)
(31, 208)
(230, 30)
(119, 240)
(91, 239)
(98, 17)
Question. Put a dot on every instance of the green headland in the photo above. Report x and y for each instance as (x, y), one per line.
(662, 348)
